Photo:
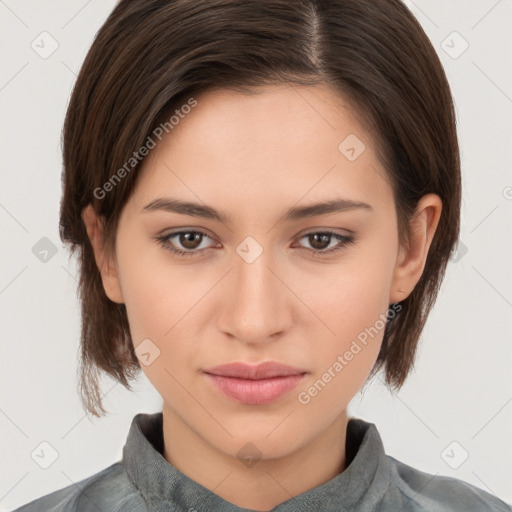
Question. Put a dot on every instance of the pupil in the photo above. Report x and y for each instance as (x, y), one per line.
(190, 241)
(324, 238)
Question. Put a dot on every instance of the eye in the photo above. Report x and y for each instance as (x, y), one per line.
(188, 239)
(191, 241)
(320, 240)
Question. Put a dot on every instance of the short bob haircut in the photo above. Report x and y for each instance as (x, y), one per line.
(151, 56)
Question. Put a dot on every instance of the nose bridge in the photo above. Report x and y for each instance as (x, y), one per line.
(255, 308)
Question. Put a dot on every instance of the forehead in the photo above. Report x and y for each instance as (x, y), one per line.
(271, 114)
(279, 143)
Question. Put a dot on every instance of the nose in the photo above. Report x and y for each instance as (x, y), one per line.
(256, 305)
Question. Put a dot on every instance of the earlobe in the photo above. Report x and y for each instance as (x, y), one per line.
(411, 260)
(106, 266)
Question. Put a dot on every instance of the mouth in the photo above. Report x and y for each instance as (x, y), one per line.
(255, 385)
(266, 370)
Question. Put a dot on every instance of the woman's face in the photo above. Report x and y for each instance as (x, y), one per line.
(258, 285)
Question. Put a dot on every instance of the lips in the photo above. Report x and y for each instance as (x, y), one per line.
(267, 370)
(255, 385)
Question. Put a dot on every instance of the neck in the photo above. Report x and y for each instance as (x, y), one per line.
(268, 482)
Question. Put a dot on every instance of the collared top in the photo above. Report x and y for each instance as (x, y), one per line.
(144, 481)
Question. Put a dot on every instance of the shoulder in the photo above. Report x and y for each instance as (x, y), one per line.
(109, 489)
(420, 491)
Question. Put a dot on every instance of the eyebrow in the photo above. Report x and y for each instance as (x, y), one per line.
(294, 213)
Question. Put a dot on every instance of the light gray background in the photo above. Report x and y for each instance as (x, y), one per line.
(461, 389)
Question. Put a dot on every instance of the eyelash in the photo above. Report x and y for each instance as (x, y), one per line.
(344, 241)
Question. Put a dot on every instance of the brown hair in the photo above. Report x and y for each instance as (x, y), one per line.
(151, 55)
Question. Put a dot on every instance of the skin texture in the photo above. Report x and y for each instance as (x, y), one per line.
(253, 157)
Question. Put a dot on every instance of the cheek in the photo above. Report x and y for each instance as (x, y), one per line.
(157, 293)
(159, 305)
(354, 308)
(350, 297)
(150, 313)
(352, 302)
(160, 298)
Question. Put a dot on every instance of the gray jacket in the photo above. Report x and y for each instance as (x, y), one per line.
(373, 481)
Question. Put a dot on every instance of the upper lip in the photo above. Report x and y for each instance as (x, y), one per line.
(265, 370)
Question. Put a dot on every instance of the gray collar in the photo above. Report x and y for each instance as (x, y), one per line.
(165, 488)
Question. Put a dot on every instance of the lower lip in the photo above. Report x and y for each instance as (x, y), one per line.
(255, 392)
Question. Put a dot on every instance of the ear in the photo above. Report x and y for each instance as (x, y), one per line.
(107, 267)
(411, 260)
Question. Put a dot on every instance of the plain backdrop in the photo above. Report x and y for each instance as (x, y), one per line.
(454, 415)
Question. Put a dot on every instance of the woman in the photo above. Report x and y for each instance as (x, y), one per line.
(264, 196)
